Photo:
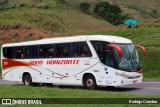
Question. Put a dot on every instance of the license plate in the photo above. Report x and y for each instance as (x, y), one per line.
(134, 81)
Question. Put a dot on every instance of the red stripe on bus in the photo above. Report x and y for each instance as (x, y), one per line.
(8, 63)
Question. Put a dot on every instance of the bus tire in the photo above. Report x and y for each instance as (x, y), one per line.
(27, 80)
(90, 82)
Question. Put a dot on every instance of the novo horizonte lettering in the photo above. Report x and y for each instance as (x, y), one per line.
(54, 62)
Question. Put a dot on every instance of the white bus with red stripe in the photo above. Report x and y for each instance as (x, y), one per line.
(90, 61)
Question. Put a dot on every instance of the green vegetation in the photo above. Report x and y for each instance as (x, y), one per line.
(3, 4)
(54, 20)
(150, 39)
(109, 12)
(33, 17)
(43, 4)
(53, 92)
(85, 7)
(143, 10)
(0, 65)
(144, 13)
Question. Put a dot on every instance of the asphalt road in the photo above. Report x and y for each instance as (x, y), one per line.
(145, 88)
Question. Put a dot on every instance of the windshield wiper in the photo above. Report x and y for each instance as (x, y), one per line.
(135, 61)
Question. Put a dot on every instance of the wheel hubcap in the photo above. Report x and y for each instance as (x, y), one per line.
(27, 81)
(89, 82)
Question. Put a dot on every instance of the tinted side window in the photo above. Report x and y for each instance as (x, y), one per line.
(31, 52)
(19, 52)
(8, 52)
(99, 48)
(46, 51)
(104, 53)
(81, 49)
(63, 50)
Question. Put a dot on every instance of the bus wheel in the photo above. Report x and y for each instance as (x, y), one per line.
(90, 82)
(27, 80)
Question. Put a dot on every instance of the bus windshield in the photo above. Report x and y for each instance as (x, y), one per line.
(130, 59)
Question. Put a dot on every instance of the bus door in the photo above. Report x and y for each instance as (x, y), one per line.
(107, 59)
(110, 70)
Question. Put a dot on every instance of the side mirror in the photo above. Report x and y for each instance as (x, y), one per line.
(118, 49)
(142, 48)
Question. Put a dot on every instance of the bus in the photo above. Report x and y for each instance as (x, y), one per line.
(89, 61)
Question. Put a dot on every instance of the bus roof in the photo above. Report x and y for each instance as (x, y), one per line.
(107, 38)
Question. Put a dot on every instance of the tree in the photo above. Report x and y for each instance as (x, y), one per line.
(37, 1)
(101, 8)
(109, 12)
(112, 18)
(154, 11)
(3, 4)
(85, 7)
(114, 9)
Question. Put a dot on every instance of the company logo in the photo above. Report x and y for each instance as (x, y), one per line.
(20, 101)
(6, 101)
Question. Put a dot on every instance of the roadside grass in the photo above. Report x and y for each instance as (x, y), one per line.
(20, 91)
(151, 76)
(150, 39)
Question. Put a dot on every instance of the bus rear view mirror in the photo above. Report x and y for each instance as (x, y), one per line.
(142, 48)
(118, 49)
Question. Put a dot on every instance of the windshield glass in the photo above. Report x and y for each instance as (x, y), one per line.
(129, 60)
